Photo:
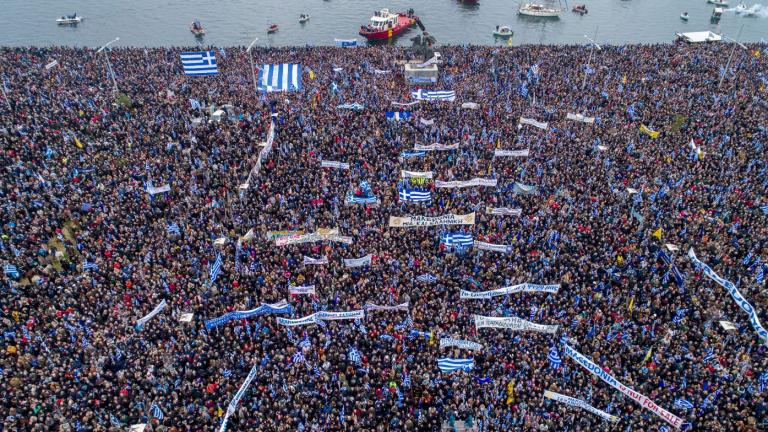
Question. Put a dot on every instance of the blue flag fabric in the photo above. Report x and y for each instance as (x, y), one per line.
(199, 63)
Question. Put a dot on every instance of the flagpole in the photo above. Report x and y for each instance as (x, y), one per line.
(589, 61)
(109, 65)
(728, 65)
(253, 71)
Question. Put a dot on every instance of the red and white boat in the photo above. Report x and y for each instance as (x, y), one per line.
(386, 25)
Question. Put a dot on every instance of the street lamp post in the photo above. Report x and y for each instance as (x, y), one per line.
(109, 65)
(730, 56)
(253, 71)
(589, 60)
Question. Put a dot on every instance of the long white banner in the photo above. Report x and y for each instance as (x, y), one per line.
(416, 174)
(372, 307)
(240, 392)
(465, 183)
(461, 343)
(523, 189)
(323, 315)
(358, 262)
(493, 247)
(160, 189)
(580, 404)
(302, 290)
(613, 382)
(315, 261)
(322, 234)
(423, 221)
(435, 146)
(580, 118)
(534, 123)
(334, 164)
(512, 323)
(735, 294)
(524, 287)
(504, 211)
(511, 153)
(141, 321)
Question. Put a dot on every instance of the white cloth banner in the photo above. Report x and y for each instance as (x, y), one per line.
(466, 183)
(735, 294)
(512, 323)
(401, 307)
(511, 153)
(579, 404)
(348, 315)
(141, 321)
(580, 118)
(302, 290)
(160, 189)
(320, 235)
(493, 247)
(461, 343)
(426, 122)
(613, 382)
(504, 211)
(315, 261)
(334, 164)
(405, 103)
(416, 174)
(307, 320)
(435, 146)
(470, 105)
(423, 221)
(524, 189)
(240, 392)
(51, 64)
(358, 262)
(524, 287)
(534, 123)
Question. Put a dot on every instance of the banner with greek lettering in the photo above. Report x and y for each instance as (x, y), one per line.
(613, 382)
(423, 221)
(290, 322)
(511, 153)
(160, 189)
(272, 235)
(315, 261)
(512, 323)
(522, 189)
(503, 211)
(320, 235)
(534, 123)
(465, 183)
(416, 174)
(579, 404)
(348, 315)
(524, 287)
(141, 321)
(493, 247)
(302, 290)
(239, 395)
(334, 164)
(435, 146)
(358, 262)
(426, 122)
(735, 294)
(281, 307)
(372, 307)
(580, 118)
(460, 343)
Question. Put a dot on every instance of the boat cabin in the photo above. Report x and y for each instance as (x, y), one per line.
(383, 20)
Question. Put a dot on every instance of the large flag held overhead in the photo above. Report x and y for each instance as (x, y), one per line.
(413, 195)
(280, 77)
(438, 95)
(449, 365)
(199, 63)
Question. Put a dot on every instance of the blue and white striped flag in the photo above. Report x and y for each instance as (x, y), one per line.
(346, 42)
(683, 404)
(760, 276)
(199, 63)
(354, 356)
(413, 195)
(156, 411)
(226, 373)
(216, 268)
(279, 77)
(763, 381)
(422, 94)
(554, 358)
(457, 239)
(710, 399)
(114, 421)
(427, 277)
(679, 315)
(447, 365)
(11, 270)
(406, 380)
(173, 228)
(764, 208)
(298, 357)
(412, 154)
(90, 266)
(747, 259)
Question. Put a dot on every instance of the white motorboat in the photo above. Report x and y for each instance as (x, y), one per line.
(503, 32)
(684, 16)
(743, 10)
(303, 18)
(723, 3)
(717, 13)
(69, 20)
(538, 10)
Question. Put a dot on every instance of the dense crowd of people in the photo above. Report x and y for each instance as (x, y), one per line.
(86, 251)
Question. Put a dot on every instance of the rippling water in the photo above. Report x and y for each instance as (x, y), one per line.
(237, 22)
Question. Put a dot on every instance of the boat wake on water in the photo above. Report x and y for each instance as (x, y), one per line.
(756, 10)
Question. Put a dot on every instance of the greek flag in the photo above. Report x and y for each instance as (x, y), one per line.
(554, 358)
(352, 106)
(760, 275)
(413, 195)
(448, 95)
(346, 42)
(763, 381)
(216, 268)
(447, 365)
(523, 89)
(173, 228)
(354, 356)
(679, 316)
(156, 411)
(11, 270)
(298, 358)
(279, 77)
(426, 278)
(199, 63)
(114, 421)
(90, 266)
(764, 208)
(456, 239)
(412, 154)
(683, 404)
(747, 259)
(398, 115)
